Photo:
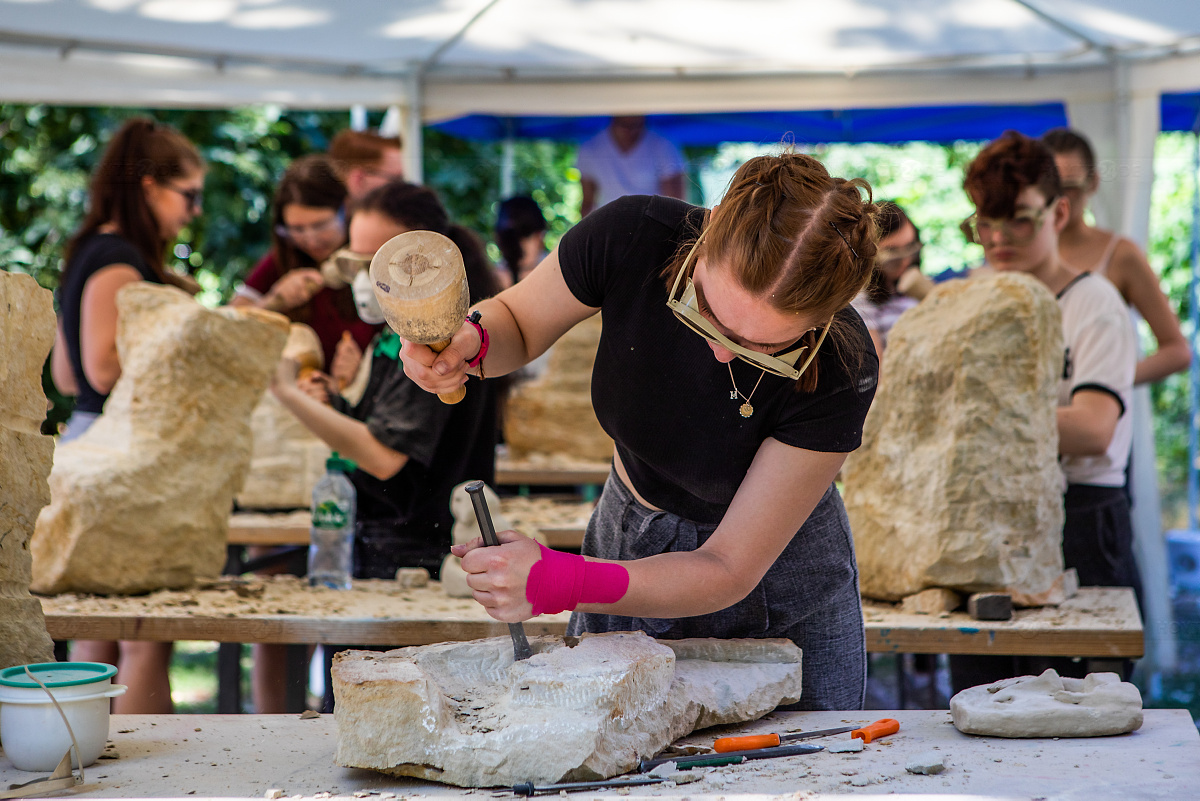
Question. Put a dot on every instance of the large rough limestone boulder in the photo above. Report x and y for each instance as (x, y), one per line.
(26, 334)
(957, 482)
(466, 714)
(287, 459)
(141, 501)
(1048, 705)
(553, 414)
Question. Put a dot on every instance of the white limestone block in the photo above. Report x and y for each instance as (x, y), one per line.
(957, 483)
(26, 334)
(466, 714)
(1049, 706)
(141, 501)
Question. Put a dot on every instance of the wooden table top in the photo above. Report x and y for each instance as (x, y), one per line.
(1099, 622)
(510, 472)
(245, 756)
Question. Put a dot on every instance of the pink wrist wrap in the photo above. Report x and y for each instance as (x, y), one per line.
(559, 582)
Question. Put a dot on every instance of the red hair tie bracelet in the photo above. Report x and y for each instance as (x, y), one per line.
(473, 318)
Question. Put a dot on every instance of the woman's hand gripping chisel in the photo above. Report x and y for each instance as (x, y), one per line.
(521, 649)
(880, 728)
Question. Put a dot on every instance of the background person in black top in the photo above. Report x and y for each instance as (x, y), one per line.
(729, 427)
(145, 190)
(411, 449)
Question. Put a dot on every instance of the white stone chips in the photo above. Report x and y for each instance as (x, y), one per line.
(466, 714)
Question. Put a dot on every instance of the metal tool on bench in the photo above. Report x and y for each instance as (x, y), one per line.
(529, 788)
(880, 728)
(521, 649)
(716, 760)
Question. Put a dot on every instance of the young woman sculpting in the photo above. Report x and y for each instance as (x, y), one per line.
(734, 378)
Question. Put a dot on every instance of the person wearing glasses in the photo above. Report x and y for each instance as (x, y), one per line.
(899, 255)
(308, 227)
(145, 190)
(734, 377)
(1020, 211)
(1107, 253)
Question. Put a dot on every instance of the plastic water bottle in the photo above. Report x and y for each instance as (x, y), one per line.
(331, 543)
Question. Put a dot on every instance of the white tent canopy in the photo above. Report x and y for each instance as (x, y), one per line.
(1107, 60)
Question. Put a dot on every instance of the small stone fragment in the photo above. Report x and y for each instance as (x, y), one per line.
(932, 601)
(274, 792)
(685, 777)
(990, 606)
(665, 770)
(308, 714)
(926, 764)
(409, 577)
(861, 781)
(845, 746)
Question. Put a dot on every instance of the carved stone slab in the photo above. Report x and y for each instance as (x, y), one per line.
(141, 501)
(26, 334)
(1049, 706)
(957, 483)
(466, 714)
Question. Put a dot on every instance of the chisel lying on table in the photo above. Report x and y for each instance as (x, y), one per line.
(880, 728)
(716, 760)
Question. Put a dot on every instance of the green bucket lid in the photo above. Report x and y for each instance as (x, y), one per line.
(56, 674)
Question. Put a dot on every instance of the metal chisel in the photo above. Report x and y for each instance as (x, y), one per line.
(521, 649)
(710, 760)
(880, 728)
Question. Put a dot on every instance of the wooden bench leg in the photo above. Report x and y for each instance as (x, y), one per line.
(229, 678)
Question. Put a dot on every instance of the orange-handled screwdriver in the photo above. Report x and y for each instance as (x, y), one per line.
(879, 728)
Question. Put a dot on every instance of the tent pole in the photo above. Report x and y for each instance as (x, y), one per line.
(413, 113)
(508, 161)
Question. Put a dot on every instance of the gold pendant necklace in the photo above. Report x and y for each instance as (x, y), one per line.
(745, 410)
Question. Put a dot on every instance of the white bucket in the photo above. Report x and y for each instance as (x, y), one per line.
(31, 728)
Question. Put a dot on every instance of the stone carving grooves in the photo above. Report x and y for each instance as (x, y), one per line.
(466, 714)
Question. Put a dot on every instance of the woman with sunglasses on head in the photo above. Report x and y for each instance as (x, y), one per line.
(145, 190)
(308, 227)
(1109, 254)
(734, 378)
(1020, 211)
(883, 301)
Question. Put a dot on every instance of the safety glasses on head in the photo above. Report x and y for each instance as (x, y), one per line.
(1019, 229)
(686, 307)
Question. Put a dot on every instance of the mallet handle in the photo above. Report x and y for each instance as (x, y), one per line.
(458, 394)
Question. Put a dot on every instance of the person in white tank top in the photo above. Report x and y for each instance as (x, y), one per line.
(1106, 253)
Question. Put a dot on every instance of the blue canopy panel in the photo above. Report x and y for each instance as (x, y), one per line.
(890, 125)
(1181, 112)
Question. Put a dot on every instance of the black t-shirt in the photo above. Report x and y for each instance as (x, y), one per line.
(93, 254)
(445, 444)
(659, 392)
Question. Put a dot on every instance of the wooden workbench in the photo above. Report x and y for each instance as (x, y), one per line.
(550, 472)
(244, 756)
(560, 523)
(1099, 622)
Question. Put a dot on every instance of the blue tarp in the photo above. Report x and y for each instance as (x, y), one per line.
(892, 125)
(1180, 112)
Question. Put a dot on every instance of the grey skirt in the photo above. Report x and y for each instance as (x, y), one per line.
(810, 595)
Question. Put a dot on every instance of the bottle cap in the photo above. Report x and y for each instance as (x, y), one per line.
(337, 463)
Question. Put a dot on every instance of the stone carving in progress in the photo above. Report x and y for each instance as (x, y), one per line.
(1049, 706)
(26, 334)
(552, 414)
(464, 713)
(287, 460)
(957, 483)
(141, 501)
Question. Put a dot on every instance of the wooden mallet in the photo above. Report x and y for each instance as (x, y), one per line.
(421, 286)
